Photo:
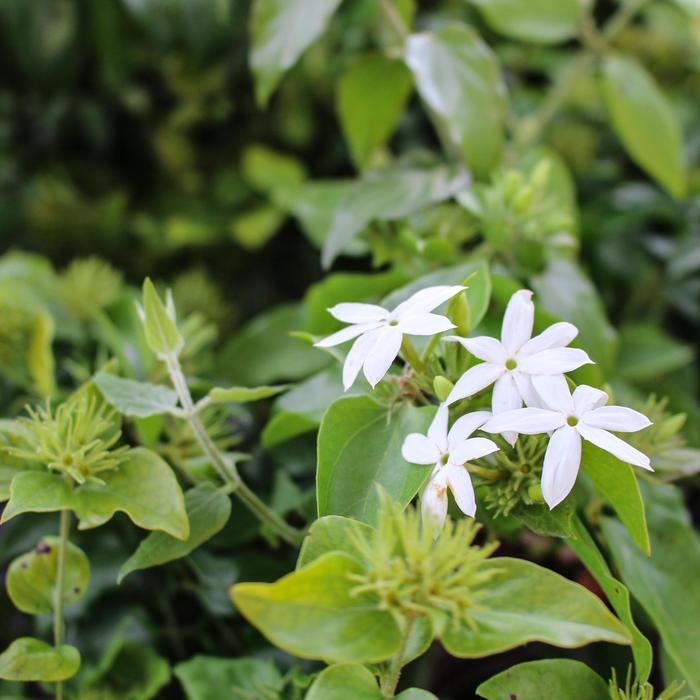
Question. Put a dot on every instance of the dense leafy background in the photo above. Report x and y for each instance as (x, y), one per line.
(129, 130)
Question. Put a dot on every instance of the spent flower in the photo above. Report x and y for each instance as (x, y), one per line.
(449, 451)
(571, 418)
(378, 333)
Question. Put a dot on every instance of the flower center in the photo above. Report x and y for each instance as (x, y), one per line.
(393, 322)
(572, 421)
(443, 459)
(511, 363)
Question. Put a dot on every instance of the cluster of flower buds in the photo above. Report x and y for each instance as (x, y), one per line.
(531, 394)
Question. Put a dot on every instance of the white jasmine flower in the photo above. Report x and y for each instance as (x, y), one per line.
(583, 415)
(516, 358)
(448, 451)
(381, 332)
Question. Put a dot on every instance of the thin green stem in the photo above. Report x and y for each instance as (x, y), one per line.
(226, 470)
(391, 680)
(411, 356)
(58, 622)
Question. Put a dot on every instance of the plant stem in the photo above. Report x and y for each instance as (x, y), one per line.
(391, 680)
(58, 622)
(411, 356)
(225, 469)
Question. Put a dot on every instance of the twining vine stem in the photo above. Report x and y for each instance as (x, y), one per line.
(58, 622)
(226, 470)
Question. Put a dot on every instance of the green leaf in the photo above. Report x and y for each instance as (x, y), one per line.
(616, 593)
(372, 94)
(143, 486)
(329, 534)
(667, 584)
(253, 228)
(159, 325)
(312, 613)
(459, 79)
(208, 510)
(645, 122)
(359, 446)
(267, 170)
(539, 21)
(617, 483)
(40, 360)
(524, 603)
(264, 351)
(563, 679)
(31, 579)
(28, 659)
(345, 681)
(388, 195)
(647, 352)
(214, 678)
(563, 290)
(281, 30)
(549, 523)
(416, 694)
(138, 399)
(243, 394)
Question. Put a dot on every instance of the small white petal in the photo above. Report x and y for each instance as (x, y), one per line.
(357, 356)
(517, 321)
(358, 313)
(345, 334)
(561, 464)
(554, 361)
(418, 449)
(474, 448)
(382, 354)
(616, 447)
(434, 500)
(557, 335)
(437, 432)
(529, 421)
(425, 324)
(485, 348)
(506, 397)
(460, 484)
(617, 418)
(473, 380)
(554, 392)
(426, 300)
(465, 426)
(586, 398)
(527, 391)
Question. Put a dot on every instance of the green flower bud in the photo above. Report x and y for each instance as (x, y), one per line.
(442, 387)
(534, 493)
(159, 323)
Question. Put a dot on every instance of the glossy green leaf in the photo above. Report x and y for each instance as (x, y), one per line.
(563, 679)
(388, 195)
(460, 81)
(332, 533)
(525, 602)
(564, 290)
(143, 486)
(214, 678)
(645, 122)
(243, 394)
(539, 21)
(28, 659)
(138, 399)
(208, 510)
(371, 98)
(549, 523)
(159, 325)
(359, 446)
(667, 584)
(31, 579)
(312, 613)
(345, 681)
(264, 351)
(617, 483)
(616, 592)
(281, 30)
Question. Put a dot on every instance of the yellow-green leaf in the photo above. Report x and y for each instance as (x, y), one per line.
(28, 659)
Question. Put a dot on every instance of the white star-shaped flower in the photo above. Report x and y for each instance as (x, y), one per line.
(516, 358)
(381, 332)
(449, 452)
(583, 415)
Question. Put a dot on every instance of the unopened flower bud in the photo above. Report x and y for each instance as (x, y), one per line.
(442, 387)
